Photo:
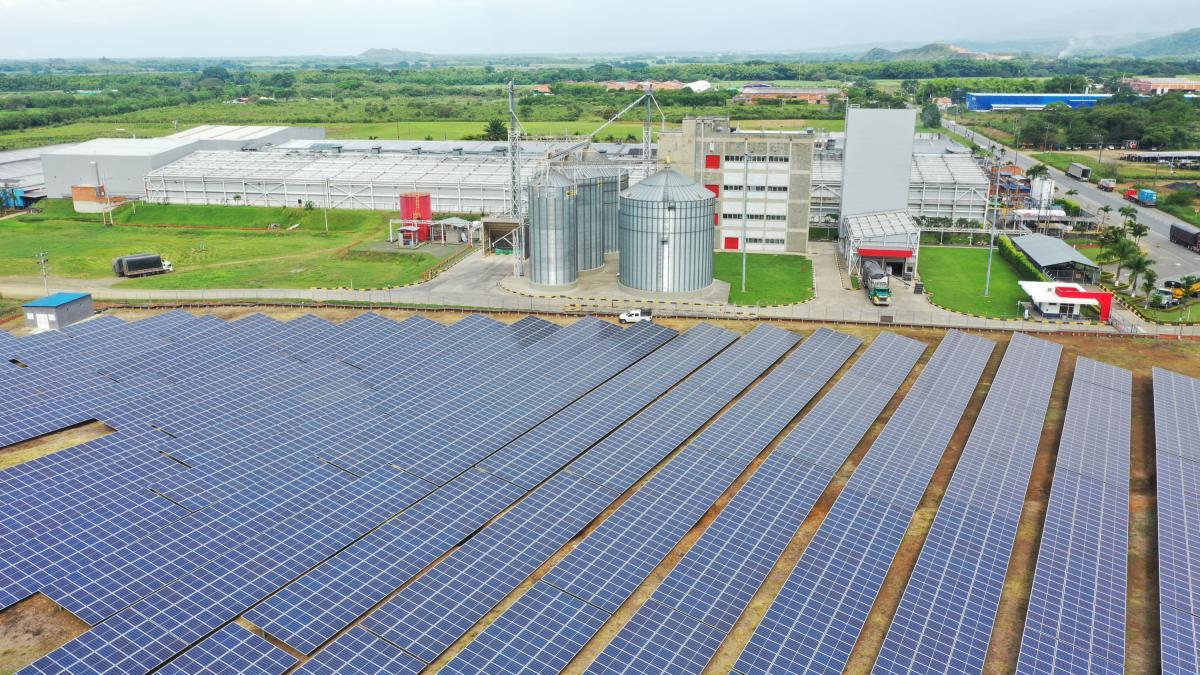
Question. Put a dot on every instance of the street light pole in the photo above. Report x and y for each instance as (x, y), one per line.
(326, 209)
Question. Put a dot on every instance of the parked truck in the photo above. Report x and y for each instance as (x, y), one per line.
(1107, 184)
(1079, 171)
(1142, 196)
(140, 265)
(876, 282)
(1186, 236)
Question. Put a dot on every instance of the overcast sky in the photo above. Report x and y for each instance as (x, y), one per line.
(145, 28)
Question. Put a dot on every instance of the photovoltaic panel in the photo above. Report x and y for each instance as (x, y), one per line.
(429, 615)
(609, 565)
(719, 575)
(233, 649)
(541, 633)
(314, 608)
(944, 620)
(823, 605)
(360, 653)
(659, 640)
(1176, 428)
(443, 604)
(1077, 605)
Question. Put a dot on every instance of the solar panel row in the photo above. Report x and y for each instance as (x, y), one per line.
(312, 610)
(160, 620)
(1176, 428)
(680, 629)
(1076, 616)
(608, 566)
(233, 649)
(944, 620)
(439, 607)
(813, 623)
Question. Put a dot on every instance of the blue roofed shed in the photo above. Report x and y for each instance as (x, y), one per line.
(57, 311)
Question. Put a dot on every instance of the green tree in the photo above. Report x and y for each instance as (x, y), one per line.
(1137, 230)
(1122, 252)
(931, 117)
(1105, 212)
(1149, 283)
(1037, 171)
(496, 130)
(1128, 212)
(1138, 266)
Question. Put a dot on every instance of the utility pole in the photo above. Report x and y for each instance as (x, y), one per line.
(326, 209)
(43, 260)
(745, 207)
(514, 179)
(987, 280)
(646, 150)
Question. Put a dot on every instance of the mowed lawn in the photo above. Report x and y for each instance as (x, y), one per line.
(771, 279)
(209, 251)
(954, 279)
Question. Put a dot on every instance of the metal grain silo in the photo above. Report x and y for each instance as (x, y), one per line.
(553, 252)
(589, 221)
(666, 235)
(614, 180)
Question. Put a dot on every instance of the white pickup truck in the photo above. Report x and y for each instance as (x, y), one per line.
(636, 316)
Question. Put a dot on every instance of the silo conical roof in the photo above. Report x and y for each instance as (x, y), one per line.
(667, 186)
(552, 179)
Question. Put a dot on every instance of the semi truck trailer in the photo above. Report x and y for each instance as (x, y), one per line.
(1186, 236)
(876, 282)
(1079, 171)
(140, 265)
(1143, 196)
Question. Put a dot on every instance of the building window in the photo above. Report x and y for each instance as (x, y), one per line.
(733, 188)
(777, 188)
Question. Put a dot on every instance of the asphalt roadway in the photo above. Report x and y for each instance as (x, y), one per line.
(1173, 261)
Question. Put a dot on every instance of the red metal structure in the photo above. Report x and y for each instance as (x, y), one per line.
(416, 209)
(1105, 299)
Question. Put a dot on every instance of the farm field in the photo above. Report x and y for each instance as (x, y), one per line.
(770, 279)
(954, 279)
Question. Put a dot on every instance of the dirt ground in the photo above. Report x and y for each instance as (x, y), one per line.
(1138, 355)
(41, 446)
(32, 628)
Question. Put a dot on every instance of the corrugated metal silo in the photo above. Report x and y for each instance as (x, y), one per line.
(589, 220)
(666, 235)
(553, 251)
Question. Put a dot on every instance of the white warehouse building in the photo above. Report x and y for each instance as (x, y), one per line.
(124, 162)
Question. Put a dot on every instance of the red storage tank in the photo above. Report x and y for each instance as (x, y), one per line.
(417, 207)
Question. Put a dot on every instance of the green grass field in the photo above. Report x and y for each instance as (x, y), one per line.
(216, 256)
(954, 279)
(1129, 170)
(770, 279)
(1186, 213)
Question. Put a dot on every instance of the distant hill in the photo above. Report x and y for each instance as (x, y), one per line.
(378, 55)
(937, 51)
(1186, 43)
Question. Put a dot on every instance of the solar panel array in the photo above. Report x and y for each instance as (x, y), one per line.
(813, 623)
(1177, 454)
(604, 570)
(944, 621)
(365, 493)
(1076, 616)
(687, 618)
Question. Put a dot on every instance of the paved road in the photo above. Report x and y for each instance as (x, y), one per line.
(1173, 261)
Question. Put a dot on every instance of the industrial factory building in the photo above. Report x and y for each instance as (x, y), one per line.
(982, 101)
(764, 200)
(945, 185)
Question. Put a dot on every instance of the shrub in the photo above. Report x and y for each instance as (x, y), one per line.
(1022, 265)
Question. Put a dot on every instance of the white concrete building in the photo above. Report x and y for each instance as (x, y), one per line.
(888, 237)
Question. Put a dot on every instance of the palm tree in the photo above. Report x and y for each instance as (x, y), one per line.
(1106, 210)
(1123, 252)
(1188, 281)
(1137, 231)
(1037, 171)
(1149, 283)
(1138, 265)
(1129, 212)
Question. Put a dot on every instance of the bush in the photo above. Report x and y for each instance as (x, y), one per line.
(1182, 198)
(1024, 267)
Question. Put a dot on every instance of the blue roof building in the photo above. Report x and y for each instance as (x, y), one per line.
(986, 101)
(57, 311)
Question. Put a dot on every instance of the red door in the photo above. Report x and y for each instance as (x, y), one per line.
(712, 161)
(731, 243)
